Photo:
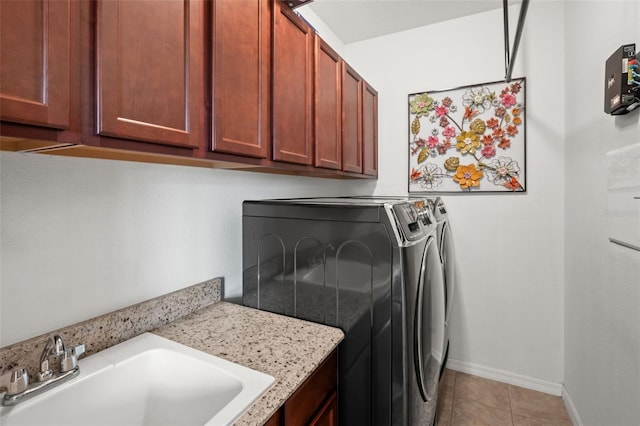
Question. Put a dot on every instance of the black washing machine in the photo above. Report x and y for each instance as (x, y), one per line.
(371, 267)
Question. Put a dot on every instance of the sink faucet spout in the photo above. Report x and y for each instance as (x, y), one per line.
(16, 382)
(54, 346)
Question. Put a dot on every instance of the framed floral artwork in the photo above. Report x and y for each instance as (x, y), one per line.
(469, 139)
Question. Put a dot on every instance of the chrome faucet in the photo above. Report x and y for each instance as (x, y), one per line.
(55, 347)
(16, 382)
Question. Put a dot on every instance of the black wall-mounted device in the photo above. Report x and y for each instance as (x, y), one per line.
(296, 3)
(622, 81)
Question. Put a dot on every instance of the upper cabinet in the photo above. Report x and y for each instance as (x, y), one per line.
(244, 84)
(369, 130)
(241, 65)
(292, 86)
(35, 61)
(351, 120)
(359, 124)
(328, 106)
(149, 63)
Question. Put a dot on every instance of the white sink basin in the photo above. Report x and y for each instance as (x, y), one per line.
(148, 380)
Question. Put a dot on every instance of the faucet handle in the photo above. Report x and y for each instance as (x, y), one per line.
(15, 381)
(70, 358)
(79, 350)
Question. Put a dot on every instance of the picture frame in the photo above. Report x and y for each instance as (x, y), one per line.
(471, 139)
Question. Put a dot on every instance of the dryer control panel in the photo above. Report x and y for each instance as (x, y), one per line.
(412, 219)
(424, 212)
(407, 219)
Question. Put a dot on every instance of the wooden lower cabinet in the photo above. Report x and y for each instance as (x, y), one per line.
(328, 414)
(315, 402)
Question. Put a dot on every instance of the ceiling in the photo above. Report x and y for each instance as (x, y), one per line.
(357, 20)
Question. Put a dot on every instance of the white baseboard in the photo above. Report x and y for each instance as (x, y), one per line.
(571, 409)
(506, 377)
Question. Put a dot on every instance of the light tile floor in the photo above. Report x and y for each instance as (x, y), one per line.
(466, 400)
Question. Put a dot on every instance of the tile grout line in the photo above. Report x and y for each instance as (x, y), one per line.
(453, 398)
(521, 415)
(510, 408)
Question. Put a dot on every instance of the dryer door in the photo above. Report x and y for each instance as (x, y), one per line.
(447, 256)
(428, 322)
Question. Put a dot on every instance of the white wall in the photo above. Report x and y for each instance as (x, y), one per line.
(319, 25)
(602, 296)
(82, 237)
(508, 321)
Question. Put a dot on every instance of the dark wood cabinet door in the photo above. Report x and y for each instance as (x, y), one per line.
(241, 77)
(327, 106)
(277, 419)
(369, 130)
(150, 83)
(351, 120)
(306, 402)
(292, 87)
(315, 403)
(328, 414)
(35, 61)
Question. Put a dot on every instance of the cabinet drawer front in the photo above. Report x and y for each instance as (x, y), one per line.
(148, 70)
(35, 43)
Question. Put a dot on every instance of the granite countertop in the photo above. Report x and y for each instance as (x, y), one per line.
(286, 348)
